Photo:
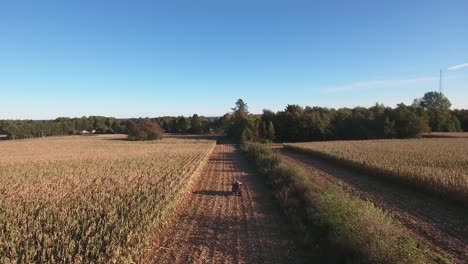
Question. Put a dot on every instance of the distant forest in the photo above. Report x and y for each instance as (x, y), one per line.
(430, 113)
(19, 129)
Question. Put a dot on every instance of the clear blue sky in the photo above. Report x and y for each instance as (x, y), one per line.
(151, 58)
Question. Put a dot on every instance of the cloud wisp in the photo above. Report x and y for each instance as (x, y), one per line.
(381, 84)
(459, 66)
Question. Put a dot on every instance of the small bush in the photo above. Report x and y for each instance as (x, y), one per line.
(144, 130)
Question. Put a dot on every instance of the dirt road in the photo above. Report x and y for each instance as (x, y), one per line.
(216, 227)
(440, 224)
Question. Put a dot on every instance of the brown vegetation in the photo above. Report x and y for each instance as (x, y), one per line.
(90, 199)
(445, 135)
(144, 130)
(437, 166)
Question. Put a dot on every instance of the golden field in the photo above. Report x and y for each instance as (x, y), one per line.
(438, 166)
(445, 135)
(90, 199)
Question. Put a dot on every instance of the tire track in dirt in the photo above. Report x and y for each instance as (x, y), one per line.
(442, 225)
(216, 227)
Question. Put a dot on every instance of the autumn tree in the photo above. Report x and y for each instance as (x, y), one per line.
(143, 129)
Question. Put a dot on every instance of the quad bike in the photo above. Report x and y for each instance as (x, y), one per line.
(236, 188)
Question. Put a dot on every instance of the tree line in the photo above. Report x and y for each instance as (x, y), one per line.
(19, 129)
(194, 124)
(430, 113)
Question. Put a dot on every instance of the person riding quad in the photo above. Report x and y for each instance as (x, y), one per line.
(236, 187)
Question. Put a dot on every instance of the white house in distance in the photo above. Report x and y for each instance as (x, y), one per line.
(86, 132)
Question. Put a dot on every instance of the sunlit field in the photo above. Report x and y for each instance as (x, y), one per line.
(445, 135)
(438, 166)
(90, 199)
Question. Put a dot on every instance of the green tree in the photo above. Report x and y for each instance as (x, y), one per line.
(270, 132)
(408, 123)
(248, 135)
(438, 108)
(462, 116)
(241, 122)
(433, 101)
(454, 124)
(99, 124)
(389, 128)
(262, 133)
(183, 125)
(196, 124)
(241, 107)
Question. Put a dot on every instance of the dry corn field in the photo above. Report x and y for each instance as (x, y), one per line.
(445, 135)
(90, 199)
(437, 166)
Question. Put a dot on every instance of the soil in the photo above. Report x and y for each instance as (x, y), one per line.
(443, 226)
(215, 226)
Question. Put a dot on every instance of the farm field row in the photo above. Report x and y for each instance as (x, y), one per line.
(437, 166)
(442, 225)
(336, 225)
(215, 226)
(445, 135)
(90, 199)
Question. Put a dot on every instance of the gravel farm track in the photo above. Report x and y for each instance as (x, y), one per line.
(442, 225)
(213, 226)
